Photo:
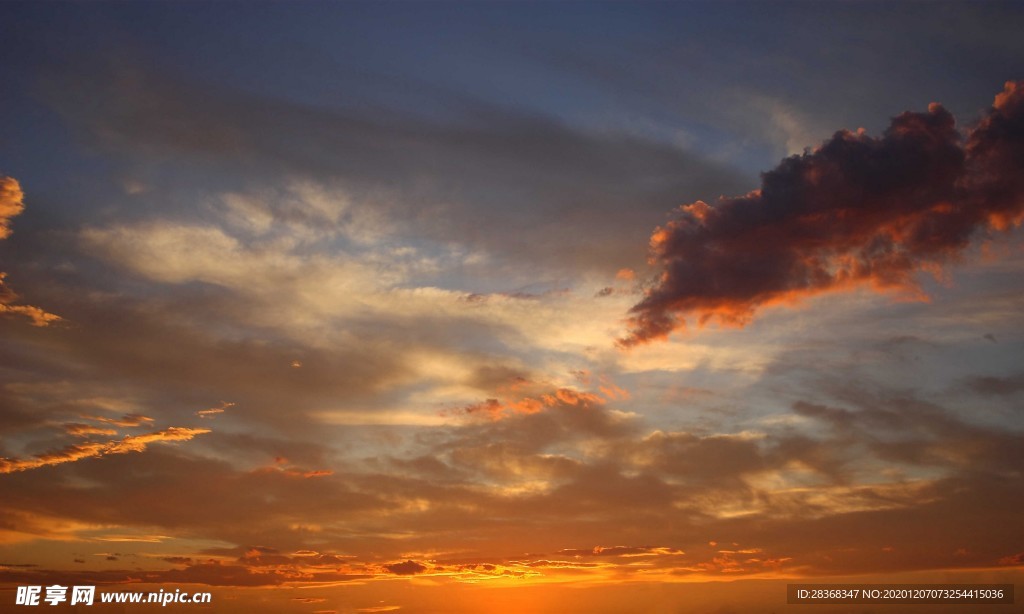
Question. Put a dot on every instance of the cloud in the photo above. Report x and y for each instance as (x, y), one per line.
(138, 443)
(145, 539)
(358, 296)
(84, 430)
(11, 204)
(496, 166)
(999, 386)
(496, 409)
(39, 317)
(618, 490)
(66, 455)
(282, 467)
(857, 211)
(406, 568)
(623, 551)
(213, 411)
(210, 572)
(572, 475)
(128, 420)
(131, 443)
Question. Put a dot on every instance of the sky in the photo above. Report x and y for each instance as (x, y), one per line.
(335, 307)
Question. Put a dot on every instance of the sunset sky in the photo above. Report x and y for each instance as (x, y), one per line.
(510, 307)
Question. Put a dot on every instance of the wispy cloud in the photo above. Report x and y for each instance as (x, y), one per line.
(213, 411)
(85, 430)
(128, 420)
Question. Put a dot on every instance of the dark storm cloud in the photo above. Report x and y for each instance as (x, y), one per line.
(856, 211)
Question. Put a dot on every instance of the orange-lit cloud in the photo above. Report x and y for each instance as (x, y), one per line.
(85, 430)
(857, 211)
(11, 204)
(622, 551)
(128, 420)
(516, 402)
(138, 443)
(295, 472)
(131, 443)
(795, 503)
(213, 411)
(37, 316)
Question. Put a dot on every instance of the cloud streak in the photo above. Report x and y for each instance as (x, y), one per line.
(213, 411)
(856, 211)
(126, 421)
(70, 454)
